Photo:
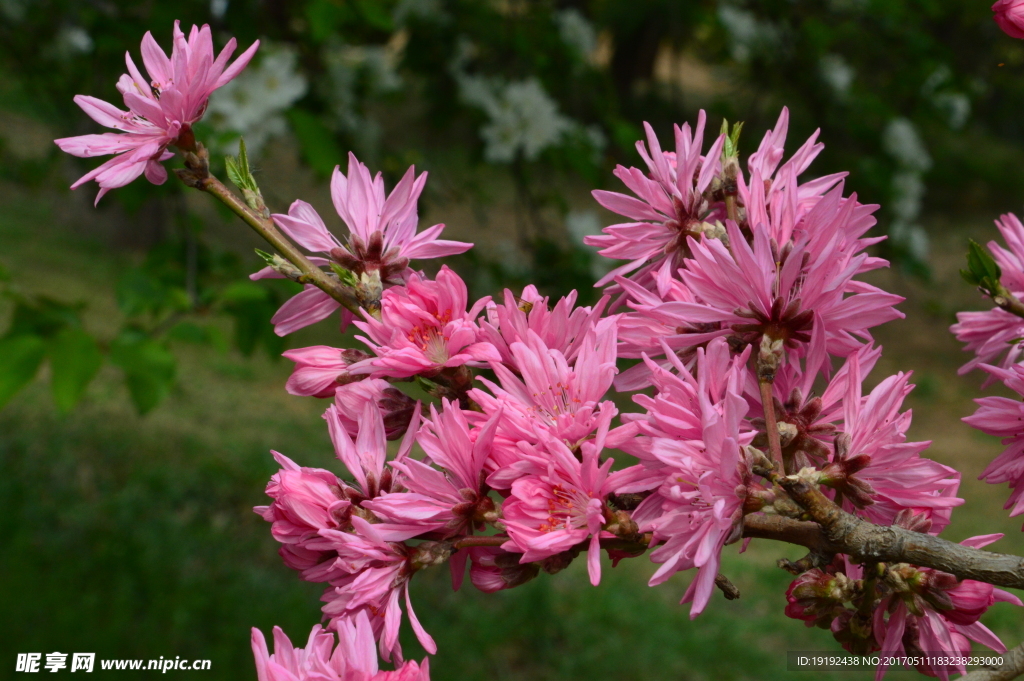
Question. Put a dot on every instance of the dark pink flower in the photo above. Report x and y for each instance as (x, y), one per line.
(424, 328)
(161, 108)
(396, 408)
(1009, 14)
(562, 327)
(560, 503)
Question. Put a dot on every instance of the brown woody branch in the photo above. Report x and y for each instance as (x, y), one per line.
(1011, 668)
(836, 531)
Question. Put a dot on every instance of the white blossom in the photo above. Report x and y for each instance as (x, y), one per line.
(902, 142)
(576, 31)
(252, 104)
(837, 74)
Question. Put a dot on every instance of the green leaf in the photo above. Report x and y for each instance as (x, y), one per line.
(375, 15)
(317, 142)
(42, 316)
(74, 360)
(20, 357)
(149, 368)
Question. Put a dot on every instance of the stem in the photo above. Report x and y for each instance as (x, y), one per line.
(731, 210)
(770, 424)
(1008, 302)
(1011, 668)
(468, 542)
(311, 274)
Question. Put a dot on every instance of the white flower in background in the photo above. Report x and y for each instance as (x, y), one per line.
(837, 74)
(14, 10)
(218, 8)
(252, 104)
(584, 223)
(901, 141)
(576, 31)
(747, 34)
(349, 66)
(74, 40)
(956, 106)
(908, 194)
(420, 9)
(524, 119)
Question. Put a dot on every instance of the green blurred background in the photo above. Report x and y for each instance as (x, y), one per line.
(138, 371)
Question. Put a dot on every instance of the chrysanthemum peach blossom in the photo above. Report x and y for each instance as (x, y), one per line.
(161, 108)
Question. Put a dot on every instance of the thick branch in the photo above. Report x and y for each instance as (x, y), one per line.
(1011, 668)
(770, 424)
(836, 531)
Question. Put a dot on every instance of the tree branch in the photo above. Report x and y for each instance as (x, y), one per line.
(1011, 668)
(836, 531)
(197, 175)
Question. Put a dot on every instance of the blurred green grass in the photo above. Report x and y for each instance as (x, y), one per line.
(134, 537)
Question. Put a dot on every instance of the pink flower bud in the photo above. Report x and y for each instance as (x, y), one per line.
(1009, 14)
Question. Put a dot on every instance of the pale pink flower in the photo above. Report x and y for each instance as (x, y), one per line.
(1009, 14)
(382, 239)
(424, 329)
(551, 398)
(698, 507)
(886, 473)
(992, 333)
(1001, 417)
(354, 659)
(371, 576)
(161, 108)
(382, 230)
(561, 502)
(320, 369)
(670, 209)
(562, 327)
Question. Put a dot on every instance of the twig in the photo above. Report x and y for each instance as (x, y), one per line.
(729, 589)
(197, 175)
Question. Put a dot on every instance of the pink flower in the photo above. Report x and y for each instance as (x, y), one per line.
(354, 659)
(1009, 14)
(372, 574)
(551, 399)
(452, 502)
(424, 329)
(161, 109)
(307, 307)
(699, 456)
(396, 408)
(561, 503)
(994, 332)
(745, 291)
(888, 472)
(306, 500)
(671, 206)
(1001, 417)
(365, 456)
(320, 369)
(562, 327)
(493, 569)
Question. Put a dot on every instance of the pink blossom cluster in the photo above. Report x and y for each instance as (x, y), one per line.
(508, 467)
(739, 298)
